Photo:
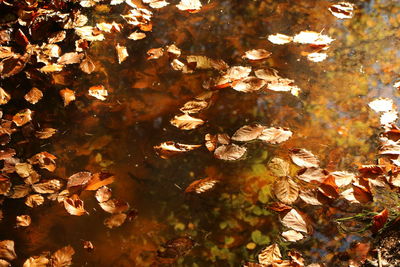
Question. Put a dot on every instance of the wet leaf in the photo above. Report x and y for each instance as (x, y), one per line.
(257, 54)
(122, 53)
(310, 197)
(237, 73)
(286, 190)
(312, 174)
(37, 261)
(74, 205)
(155, 53)
(20, 191)
(88, 245)
(23, 117)
(176, 247)
(248, 84)
(23, 220)
(275, 135)
(303, 158)
(317, 56)
(192, 6)
(280, 39)
(114, 206)
(380, 220)
(100, 179)
(7, 251)
(50, 187)
(103, 194)
(137, 36)
(194, 106)
(329, 188)
(269, 255)
(311, 37)
(170, 148)
(382, 105)
(174, 50)
(45, 133)
(62, 257)
(229, 152)
(87, 66)
(292, 235)
(70, 58)
(45, 160)
(294, 220)
(67, 95)
(4, 97)
(279, 207)
(186, 122)
(343, 178)
(99, 92)
(342, 10)
(248, 133)
(79, 179)
(34, 200)
(202, 185)
(279, 167)
(115, 220)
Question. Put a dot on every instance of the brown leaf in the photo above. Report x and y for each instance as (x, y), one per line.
(379, 220)
(286, 190)
(237, 73)
(87, 65)
(317, 56)
(45, 133)
(176, 247)
(342, 10)
(329, 188)
(275, 135)
(88, 245)
(310, 197)
(186, 122)
(114, 206)
(303, 158)
(343, 178)
(294, 220)
(62, 257)
(270, 255)
(74, 205)
(279, 167)
(7, 251)
(248, 84)
(248, 133)
(99, 92)
(311, 37)
(100, 179)
(279, 207)
(67, 95)
(280, 39)
(34, 200)
(23, 220)
(70, 58)
(79, 178)
(122, 53)
(229, 152)
(194, 106)
(296, 258)
(23, 117)
(174, 50)
(45, 160)
(191, 6)
(257, 54)
(312, 174)
(20, 191)
(137, 36)
(57, 37)
(50, 187)
(292, 235)
(115, 220)
(4, 97)
(170, 148)
(34, 95)
(202, 185)
(103, 194)
(37, 261)
(155, 53)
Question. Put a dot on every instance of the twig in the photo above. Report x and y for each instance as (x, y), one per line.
(379, 258)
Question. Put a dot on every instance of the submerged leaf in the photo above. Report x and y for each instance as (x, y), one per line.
(202, 185)
(99, 92)
(115, 220)
(79, 179)
(23, 220)
(67, 95)
(34, 95)
(74, 205)
(114, 206)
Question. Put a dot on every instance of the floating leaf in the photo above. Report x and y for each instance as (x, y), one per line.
(37, 261)
(114, 206)
(248, 133)
(155, 53)
(34, 200)
(382, 105)
(229, 152)
(67, 95)
(312, 174)
(176, 247)
(79, 179)
(270, 255)
(292, 235)
(317, 56)
(310, 197)
(50, 187)
(342, 178)
(115, 220)
(202, 185)
(286, 190)
(23, 220)
(7, 251)
(186, 122)
(34, 95)
(194, 106)
(388, 117)
(88, 245)
(257, 54)
(70, 58)
(280, 39)
(294, 220)
(275, 135)
(45, 160)
(4, 97)
(87, 65)
(248, 84)
(192, 6)
(99, 92)
(23, 117)
(103, 194)
(62, 257)
(45, 133)
(74, 205)
(342, 10)
(379, 220)
(170, 148)
(237, 72)
(122, 53)
(137, 36)
(311, 37)
(279, 207)
(303, 158)
(100, 179)
(279, 167)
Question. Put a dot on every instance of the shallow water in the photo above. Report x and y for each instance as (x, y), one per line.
(330, 118)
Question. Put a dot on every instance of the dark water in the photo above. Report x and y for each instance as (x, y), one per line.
(329, 118)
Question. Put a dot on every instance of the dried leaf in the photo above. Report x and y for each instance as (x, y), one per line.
(176, 247)
(257, 54)
(20, 191)
(67, 95)
(74, 205)
(270, 255)
(23, 220)
(137, 36)
(100, 179)
(4, 97)
(103, 194)
(122, 53)
(45, 160)
(310, 197)
(280, 39)
(174, 50)
(248, 133)
(303, 158)
(311, 37)
(191, 6)
(275, 135)
(329, 188)
(279, 167)
(7, 251)
(229, 152)
(286, 190)
(34, 200)
(343, 178)
(382, 105)
(79, 179)
(70, 58)
(45, 133)
(279, 207)
(186, 122)
(294, 220)
(99, 92)
(317, 56)
(156, 3)
(202, 185)
(389, 117)
(312, 174)
(248, 84)
(379, 220)
(50, 187)
(87, 66)
(292, 235)
(37, 261)
(62, 257)
(88, 245)
(170, 148)
(194, 106)
(114, 206)
(115, 220)
(237, 73)
(23, 117)
(155, 53)
(342, 10)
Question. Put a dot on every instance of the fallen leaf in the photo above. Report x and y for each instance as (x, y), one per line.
(186, 122)
(4, 97)
(379, 220)
(280, 39)
(292, 235)
(194, 106)
(62, 257)
(303, 158)
(237, 72)
(311, 37)
(114, 206)
(279, 167)
(115, 220)
(342, 10)
(156, 3)
(329, 188)
(137, 36)
(74, 205)
(37, 261)
(257, 54)
(191, 6)
(176, 247)
(155, 53)
(229, 152)
(50, 187)
(279, 207)
(67, 95)
(202, 185)
(343, 178)
(87, 65)
(170, 148)
(99, 92)
(312, 174)
(100, 179)
(23, 220)
(88, 245)
(7, 251)
(22, 117)
(275, 135)
(382, 104)
(174, 50)
(270, 255)
(34, 95)
(34, 200)
(294, 220)
(45, 133)
(79, 179)
(122, 53)
(248, 133)
(248, 84)
(103, 194)
(286, 190)
(317, 56)
(388, 117)
(70, 58)
(310, 197)
(45, 160)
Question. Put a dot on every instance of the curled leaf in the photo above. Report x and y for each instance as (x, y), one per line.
(170, 148)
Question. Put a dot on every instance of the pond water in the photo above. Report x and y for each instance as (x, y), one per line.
(230, 224)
